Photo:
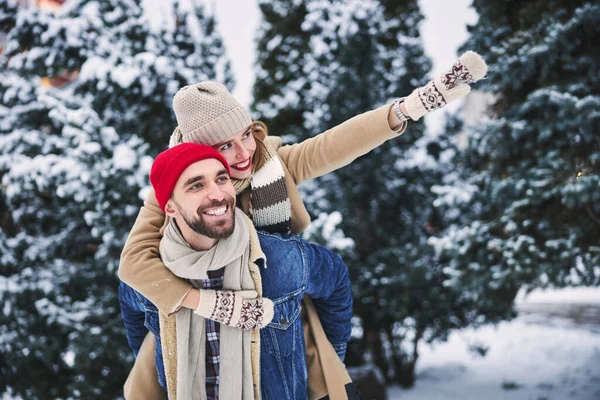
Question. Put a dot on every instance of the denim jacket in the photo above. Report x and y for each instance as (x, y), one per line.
(293, 268)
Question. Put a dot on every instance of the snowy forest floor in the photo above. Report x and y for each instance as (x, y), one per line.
(551, 351)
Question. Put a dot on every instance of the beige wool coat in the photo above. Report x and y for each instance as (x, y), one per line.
(142, 269)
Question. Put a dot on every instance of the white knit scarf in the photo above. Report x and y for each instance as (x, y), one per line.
(235, 380)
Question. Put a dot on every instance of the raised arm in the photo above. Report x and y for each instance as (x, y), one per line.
(339, 146)
(141, 266)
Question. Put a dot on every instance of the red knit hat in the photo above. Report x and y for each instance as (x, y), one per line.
(170, 164)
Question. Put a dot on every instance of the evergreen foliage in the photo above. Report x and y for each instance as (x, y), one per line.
(74, 164)
(70, 189)
(526, 209)
(127, 70)
(321, 63)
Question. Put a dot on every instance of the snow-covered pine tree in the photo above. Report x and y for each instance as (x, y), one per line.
(72, 166)
(526, 212)
(69, 184)
(321, 63)
(282, 46)
(128, 69)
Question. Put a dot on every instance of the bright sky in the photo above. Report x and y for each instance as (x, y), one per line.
(443, 30)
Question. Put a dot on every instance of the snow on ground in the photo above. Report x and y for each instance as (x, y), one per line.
(551, 351)
(568, 295)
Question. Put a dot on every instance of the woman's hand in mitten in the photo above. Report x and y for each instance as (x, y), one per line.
(446, 88)
(241, 309)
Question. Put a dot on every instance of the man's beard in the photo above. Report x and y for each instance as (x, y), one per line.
(216, 230)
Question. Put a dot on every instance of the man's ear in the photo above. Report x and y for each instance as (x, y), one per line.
(170, 209)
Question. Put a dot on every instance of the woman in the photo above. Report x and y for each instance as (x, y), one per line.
(266, 174)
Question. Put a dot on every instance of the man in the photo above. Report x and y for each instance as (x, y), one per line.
(213, 351)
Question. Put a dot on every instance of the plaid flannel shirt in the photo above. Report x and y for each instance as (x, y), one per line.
(213, 353)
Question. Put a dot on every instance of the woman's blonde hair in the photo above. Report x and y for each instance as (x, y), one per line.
(259, 131)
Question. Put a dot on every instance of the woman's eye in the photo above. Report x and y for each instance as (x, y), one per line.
(225, 146)
(246, 135)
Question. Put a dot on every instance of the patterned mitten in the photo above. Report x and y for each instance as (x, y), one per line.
(239, 309)
(447, 87)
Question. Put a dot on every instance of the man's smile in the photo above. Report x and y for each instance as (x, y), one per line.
(216, 211)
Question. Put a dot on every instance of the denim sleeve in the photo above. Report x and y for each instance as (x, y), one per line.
(328, 284)
(132, 312)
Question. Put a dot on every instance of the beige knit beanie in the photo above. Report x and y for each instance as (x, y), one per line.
(208, 114)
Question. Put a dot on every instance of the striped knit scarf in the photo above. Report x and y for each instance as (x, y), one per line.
(270, 207)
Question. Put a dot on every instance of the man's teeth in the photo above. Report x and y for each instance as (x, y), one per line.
(216, 211)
